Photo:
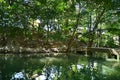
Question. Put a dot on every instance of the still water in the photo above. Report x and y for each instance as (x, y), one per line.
(61, 67)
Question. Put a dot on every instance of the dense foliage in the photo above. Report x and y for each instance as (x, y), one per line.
(33, 23)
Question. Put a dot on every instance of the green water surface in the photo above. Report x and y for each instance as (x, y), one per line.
(61, 67)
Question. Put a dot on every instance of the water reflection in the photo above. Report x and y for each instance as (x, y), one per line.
(18, 76)
(63, 67)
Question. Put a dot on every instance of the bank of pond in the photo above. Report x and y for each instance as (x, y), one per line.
(57, 67)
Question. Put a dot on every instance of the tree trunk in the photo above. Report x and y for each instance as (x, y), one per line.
(92, 36)
(73, 34)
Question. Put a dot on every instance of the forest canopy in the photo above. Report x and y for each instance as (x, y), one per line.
(54, 23)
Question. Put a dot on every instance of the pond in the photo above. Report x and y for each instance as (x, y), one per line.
(61, 67)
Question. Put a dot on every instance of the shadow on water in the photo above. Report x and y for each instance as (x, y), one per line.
(62, 67)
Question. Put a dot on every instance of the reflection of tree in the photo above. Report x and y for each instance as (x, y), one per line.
(95, 69)
(2, 66)
(66, 68)
(14, 64)
(30, 65)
